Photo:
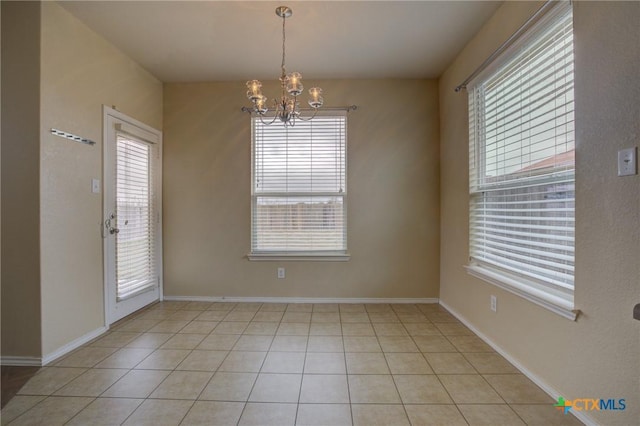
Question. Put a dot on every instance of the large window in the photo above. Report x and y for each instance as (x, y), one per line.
(299, 189)
(522, 145)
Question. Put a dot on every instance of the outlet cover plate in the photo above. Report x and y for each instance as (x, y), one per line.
(627, 162)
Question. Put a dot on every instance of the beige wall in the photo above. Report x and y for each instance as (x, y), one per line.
(597, 356)
(0, 183)
(80, 73)
(393, 182)
(20, 179)
(57, 74)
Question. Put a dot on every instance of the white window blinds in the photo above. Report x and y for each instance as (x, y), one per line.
(135, 218)
(299, 187)
(522, 149)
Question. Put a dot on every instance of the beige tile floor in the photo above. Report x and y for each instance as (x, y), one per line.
(196, 363)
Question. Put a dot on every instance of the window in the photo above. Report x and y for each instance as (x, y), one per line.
(299, 189)
(136, 263)
(522, 180)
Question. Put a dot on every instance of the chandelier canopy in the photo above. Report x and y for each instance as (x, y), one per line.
(287, 108)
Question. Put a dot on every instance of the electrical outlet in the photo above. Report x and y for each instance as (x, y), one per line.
(494, 303)
(281, 273)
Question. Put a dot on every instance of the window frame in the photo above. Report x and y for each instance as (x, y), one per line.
(298, 255)
(546, 294)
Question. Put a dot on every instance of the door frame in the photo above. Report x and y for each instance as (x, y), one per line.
(110, 114)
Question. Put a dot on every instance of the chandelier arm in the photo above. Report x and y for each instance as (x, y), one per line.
(315, 111)
(270, 123)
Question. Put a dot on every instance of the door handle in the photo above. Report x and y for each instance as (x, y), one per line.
(107, 224)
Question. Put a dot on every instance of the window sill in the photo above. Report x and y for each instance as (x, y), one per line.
(307, 257)
(526, 290)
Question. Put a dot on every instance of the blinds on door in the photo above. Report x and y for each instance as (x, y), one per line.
(299, 187)
(136, 217)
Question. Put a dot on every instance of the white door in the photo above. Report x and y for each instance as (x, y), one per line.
(132, 215)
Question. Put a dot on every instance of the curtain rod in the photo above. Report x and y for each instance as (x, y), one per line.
(342, 108)
(528, 24)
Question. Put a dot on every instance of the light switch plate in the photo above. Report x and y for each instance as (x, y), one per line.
(95, 186)
(627, 162)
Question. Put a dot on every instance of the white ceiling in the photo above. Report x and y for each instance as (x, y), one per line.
(182, 41)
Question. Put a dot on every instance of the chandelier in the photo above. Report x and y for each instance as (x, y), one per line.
(287, 108)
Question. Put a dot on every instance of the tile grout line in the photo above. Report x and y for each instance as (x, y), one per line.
(344, 358)
(42, 401)
(304, 363)
(268, 351)
(434, 371)
(90, 368)
(221, 362)
(197, 398)
(454, 401)
(175, 333)
(478, 373)
(171, 371)
(246, 403)
(393, 379)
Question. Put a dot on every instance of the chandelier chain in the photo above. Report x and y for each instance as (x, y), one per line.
(284, 71)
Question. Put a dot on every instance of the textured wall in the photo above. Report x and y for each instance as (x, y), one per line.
(597, 356)
(20, 179)
(393, 210)
(80, 73)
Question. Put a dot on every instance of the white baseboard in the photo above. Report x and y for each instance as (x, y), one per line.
(48, 358)
(300, 299)
(552, 392)
(21, 361)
